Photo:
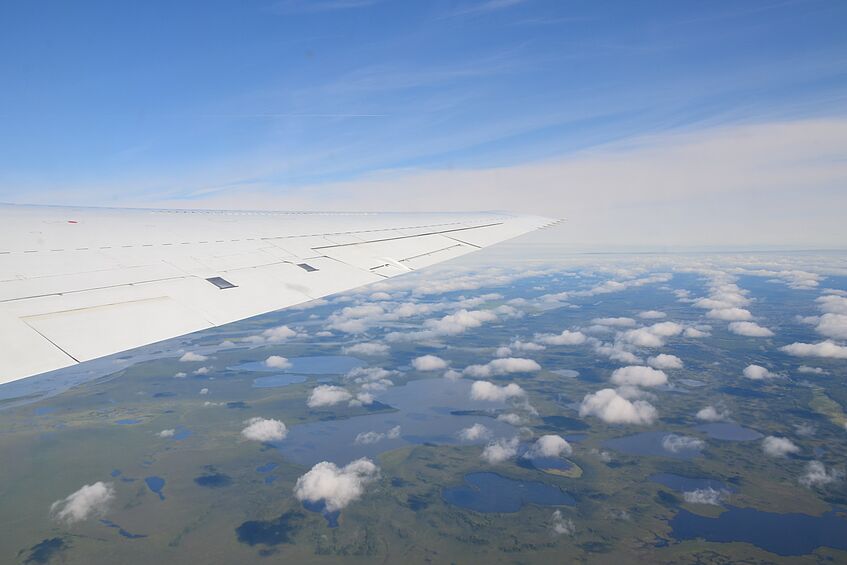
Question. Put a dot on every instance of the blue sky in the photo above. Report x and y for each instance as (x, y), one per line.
(183, 102)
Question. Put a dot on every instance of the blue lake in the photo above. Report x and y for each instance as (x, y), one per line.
(156, 484)
(127, 421)
(266, 468)
(550, 463)
(311, 365)
(330, 517)
(728, 431)
(687, 484)
(423, 414)
(783, 534)
(121, 531)
(490, 492)
(278, 380)
(648, 443)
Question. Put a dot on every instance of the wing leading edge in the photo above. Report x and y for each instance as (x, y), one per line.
(81, 283)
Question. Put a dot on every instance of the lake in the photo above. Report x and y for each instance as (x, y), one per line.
(490, 492)
(783, 534)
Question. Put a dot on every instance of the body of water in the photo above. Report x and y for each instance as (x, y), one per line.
(649, 443)
(728, 431)
(783, 534)
(490, 492)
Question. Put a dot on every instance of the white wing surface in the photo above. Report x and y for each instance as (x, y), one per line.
(82, 283)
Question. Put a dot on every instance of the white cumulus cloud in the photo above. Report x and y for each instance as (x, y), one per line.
(613, 408)
(827, 349)
(336, 487)
(757, 372)
(549, 445)
(503, 366)
(712, 414)
(703, 496)
(429, 363)
(488, 391)
(500, 450)
(635, 375)
(191, 357)
(665, 361)
(328, 395)
(749, 329)
(474, 433)
(675, 443)
(277, 362)
(567, 337)
(817, 475)
(368, 349)
(730, 314)
(261, 429)
(562, 525)
(778, 446)
(88, 501)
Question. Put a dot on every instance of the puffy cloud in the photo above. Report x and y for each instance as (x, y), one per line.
(328, 395)
(503, 352)
(562, 525)
(336, 487)
(261, 429)
(88, 501)
(549, 445)
(429, 363)
(811, 370)
(833, 325)
(675, 443)
(652, 315)
(167, 433)
(730, 314)
(652, 336)
(695, 332)
(277, 362)
(703, 496)
(451, 324)
(749, 329)
(191, 357)
(518, 345)
(712, 414)
(366, 438)
(665, 361)
(636, 375)
(778, 446)
(474, 433)
(502, 367)
(565, 338)
(757, 372)
(202, 371)
(832, 304)
(613, 408)
(278, 334)
(362, 398)
(180, 375)
(371, 378)
(826, 348)
(461, 321)
(817, 475)
(452, 375)
(366, 349)
(618, 322)
(510, 418)
(488, 391)
(500, 450)
(204, 391)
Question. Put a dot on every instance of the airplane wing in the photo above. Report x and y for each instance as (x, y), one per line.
(81, 283)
